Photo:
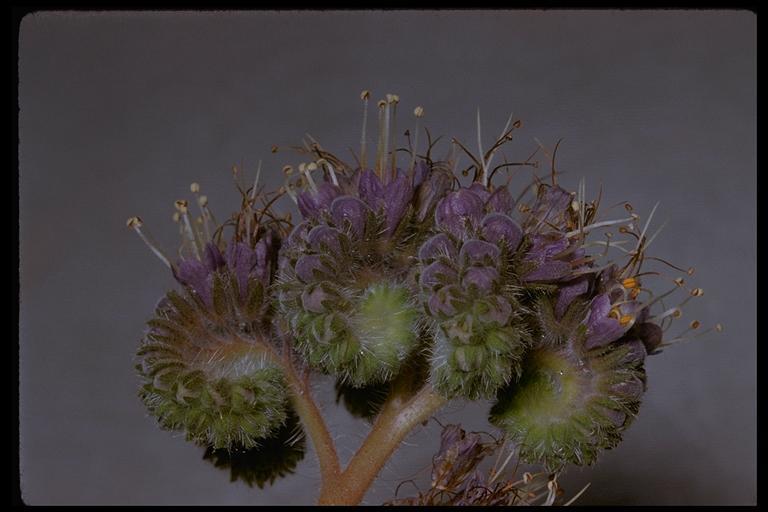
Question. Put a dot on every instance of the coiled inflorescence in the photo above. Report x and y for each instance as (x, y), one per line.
(399, 276)
(205, 361)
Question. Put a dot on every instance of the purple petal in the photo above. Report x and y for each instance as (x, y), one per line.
(325, 238)
(352, 211)
(550, 207)
(441, 301)
(436, 273)
(598, 309)
(501, 201)
(195, 274)
(213, 257)
(459, 211)
(550, 271)
(262, 253)
(431, 191)
(420, 173)
(438, 245)
(396, 198)
(312, 203)
(312, 299)
(241, 260)
(298, 234)
(479, 251)
(603, 333)
(481, 277)
(498, 228)
(480, 191)
(546, 247)
(370, 189)
(307, 266)
(568, 292)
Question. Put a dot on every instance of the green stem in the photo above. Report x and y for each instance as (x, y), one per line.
(393, 424)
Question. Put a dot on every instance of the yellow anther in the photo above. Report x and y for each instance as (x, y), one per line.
(719, 327)
(382, 103)
(134, 222)
(691, 271)
(679, 281)
(677, 313)
(697, 292)
(625, 319)
(311, 166)
(634, 293)
(365, 94)
(274, 148)
(630, 282)
(615, 313)
(287, 170)
(176, 217)
(418, 111)
(302, 167)
(194, 187)
(695, 324)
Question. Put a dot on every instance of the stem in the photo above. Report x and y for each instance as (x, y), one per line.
(393, 424)
(311, 419)
(313, 422)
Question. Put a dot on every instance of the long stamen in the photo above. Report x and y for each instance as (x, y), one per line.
(385, 135)
(394, 99)
(331, 170)
(135, 223)
(380, 146)
(419, 113)
(304, 169)
(201, 202)
(181, 206)
(363, 138)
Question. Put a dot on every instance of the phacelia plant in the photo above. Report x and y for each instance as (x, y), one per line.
(411, 282)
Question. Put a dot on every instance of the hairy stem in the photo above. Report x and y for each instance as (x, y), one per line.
(396, 420)
(309, 414)
(313, 422)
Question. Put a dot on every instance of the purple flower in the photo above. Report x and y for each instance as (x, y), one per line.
(350, 211)
(459, 212)
(568, 292)
(549, 210)
(602, 328)
(312, 203)
(499, 228)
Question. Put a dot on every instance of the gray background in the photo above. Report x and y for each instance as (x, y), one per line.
(121, 111)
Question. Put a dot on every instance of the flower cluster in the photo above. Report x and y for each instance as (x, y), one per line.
(510, 297)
